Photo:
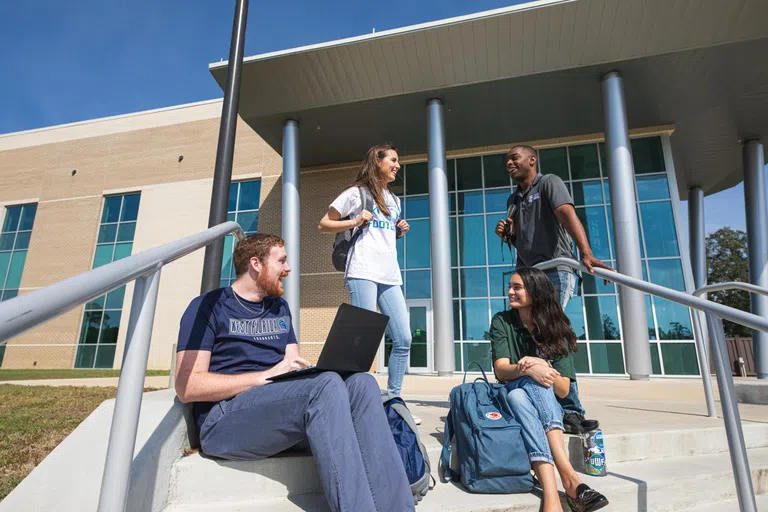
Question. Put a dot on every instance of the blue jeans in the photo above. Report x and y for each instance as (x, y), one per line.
(344, 422)
(565, 283)
(366, 294)
(537, 410)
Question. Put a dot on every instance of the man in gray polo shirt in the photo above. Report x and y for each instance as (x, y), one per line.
(541, 222)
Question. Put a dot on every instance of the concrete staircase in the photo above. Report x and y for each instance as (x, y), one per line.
(655, 470)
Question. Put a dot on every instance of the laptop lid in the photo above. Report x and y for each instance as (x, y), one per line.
(353, 341)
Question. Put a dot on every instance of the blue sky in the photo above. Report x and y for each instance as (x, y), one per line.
(71, 61)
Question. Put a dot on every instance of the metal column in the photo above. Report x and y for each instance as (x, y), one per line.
(697, 235)
(621, 176)
(291, 217)
(757, 241)
(442, 294)
(222, 174)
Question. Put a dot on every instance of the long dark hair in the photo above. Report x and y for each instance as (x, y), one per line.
(551, 329)
(370, 177)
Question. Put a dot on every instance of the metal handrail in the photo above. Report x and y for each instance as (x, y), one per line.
(714, 312)
(731, 285)
(26, 311)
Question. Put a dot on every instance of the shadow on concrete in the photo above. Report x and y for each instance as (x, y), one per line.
(642, 490)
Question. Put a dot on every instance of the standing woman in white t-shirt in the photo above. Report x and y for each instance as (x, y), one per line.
(373, 274)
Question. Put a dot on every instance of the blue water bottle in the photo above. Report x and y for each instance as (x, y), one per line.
(594, 452)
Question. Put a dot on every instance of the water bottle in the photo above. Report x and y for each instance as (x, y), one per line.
(594, 451)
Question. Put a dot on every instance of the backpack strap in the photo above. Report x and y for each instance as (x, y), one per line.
(444, 470)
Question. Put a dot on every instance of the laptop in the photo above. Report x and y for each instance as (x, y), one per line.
(351, 345)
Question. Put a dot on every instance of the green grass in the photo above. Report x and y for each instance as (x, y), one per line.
(34, 419)
(6, 375)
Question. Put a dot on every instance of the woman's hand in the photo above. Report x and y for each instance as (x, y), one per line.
(364, 218)
(404, 226)
(529, 361)
(544, 375)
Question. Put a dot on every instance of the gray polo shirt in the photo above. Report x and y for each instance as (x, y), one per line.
(538, 234)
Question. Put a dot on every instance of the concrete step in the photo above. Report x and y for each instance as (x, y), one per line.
(194, 476)
(727, 506)
(675, 484)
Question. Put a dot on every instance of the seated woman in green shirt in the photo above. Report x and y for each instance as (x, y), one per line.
(532, 347)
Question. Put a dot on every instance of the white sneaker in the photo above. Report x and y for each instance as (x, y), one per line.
(417, 420)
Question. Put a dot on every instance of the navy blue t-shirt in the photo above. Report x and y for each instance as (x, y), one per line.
(242, 336)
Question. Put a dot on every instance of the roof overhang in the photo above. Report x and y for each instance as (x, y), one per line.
(528, 72)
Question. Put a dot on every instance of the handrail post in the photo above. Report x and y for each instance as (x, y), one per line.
(706, 378)
(736, 445)
(125, 419)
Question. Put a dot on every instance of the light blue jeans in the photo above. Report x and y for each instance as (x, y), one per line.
(366, 294)
(537, 410)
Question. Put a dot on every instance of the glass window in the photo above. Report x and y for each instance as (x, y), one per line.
(417, 207)
(652, 187)
(498, 305)
(575, 313)
(659, 229)
(250, 195)
(479, 353)
(454, 244)
(499, 253)
(417, 245)
(680, 359)
(28, 213)
(471, 240)
(397, 187)
(15, 269)
(674, 320)
(602, 318)
(456, 320)
(249, 221)
(417, 178)
(647, 155)
(496, 200)
(475, 321)
(607, 357)
(457, 356)
(418, 284)
(587, 192)
(649, 315)
(667, 273)
(11, 222)
(607, 191)
(243, 208)
(581, 359)
(455, 283)
(101, 320)
(232, 203)
(593, 220)
(499, 280)
(655, 362)
(473, 283)
(495, 171)
(584, 161)
(470, 202)
(554, 161)
(6, 241)
(16, 233)
(594, 285)
(468, 173)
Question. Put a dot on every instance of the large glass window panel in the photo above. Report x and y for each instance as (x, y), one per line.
(27, 217)
(659, 229)
(495, 170)
(400, 247)
(126, 232)
(575, 313)
(593, 220)
(496, 200)
(581, 359)
(498, 305)
(587, 192)
(5, 260)
(454, 244)
(417, 178)
(249, 221)
(595, 285)
(452, 203)
(232, 203)
(226, 263)
(674, 320)
(649, 317)
(457, 356)
(479, 353)
(130, 208)
(474, 315)
(107, 233)
(115, 298)
(6, 241)
(455, 282)
(456, 320)
(667, 273)
(470, 202)
(655, 364)
(606, 357)
(85, 356)
(471, 240)
(397, 187)
(602, 318)
(97, 303)
(473, 282)
(105, 356)
(9, 294)
(250, 192)
(123, 250)
(22, 240)
(450, 171)
(606, 190)
(648, 155)
(417, 207)
(584, 161)
(680, 359)
(417, 245)
(418, 284)
(110, 324)
(12, 216)
(418, 319)
(15, 269)
(103, 255)
(499, 253)
(89, 333)
(499, 280)
(652, 187)
(468, 173)
(111, 211)
(554, 161)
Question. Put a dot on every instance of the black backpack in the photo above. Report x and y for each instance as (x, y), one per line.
(345, 241)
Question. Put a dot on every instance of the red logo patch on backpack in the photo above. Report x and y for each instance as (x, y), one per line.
(493, 416)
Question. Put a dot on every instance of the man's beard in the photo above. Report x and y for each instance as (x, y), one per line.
(271, 287)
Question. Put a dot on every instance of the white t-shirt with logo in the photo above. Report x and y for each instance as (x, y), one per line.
(374, 256)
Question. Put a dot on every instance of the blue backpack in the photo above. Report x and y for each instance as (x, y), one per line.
(411, 450)
(491, 455)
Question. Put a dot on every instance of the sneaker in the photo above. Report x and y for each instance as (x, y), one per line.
(587, 499)
(572, 423)
(417, 420)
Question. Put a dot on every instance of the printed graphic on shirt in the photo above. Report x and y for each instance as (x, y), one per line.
(260, 328)
(384, 222)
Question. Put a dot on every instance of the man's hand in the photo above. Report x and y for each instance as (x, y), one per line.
(529, 361)
(364, 218)
(591, 262)
(404, 227)
(286, 365)
(544, 375)
(501, 228)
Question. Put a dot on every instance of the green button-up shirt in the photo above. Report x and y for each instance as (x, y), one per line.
(511, 339)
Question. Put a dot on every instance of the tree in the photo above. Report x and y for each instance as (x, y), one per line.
(727, 261)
